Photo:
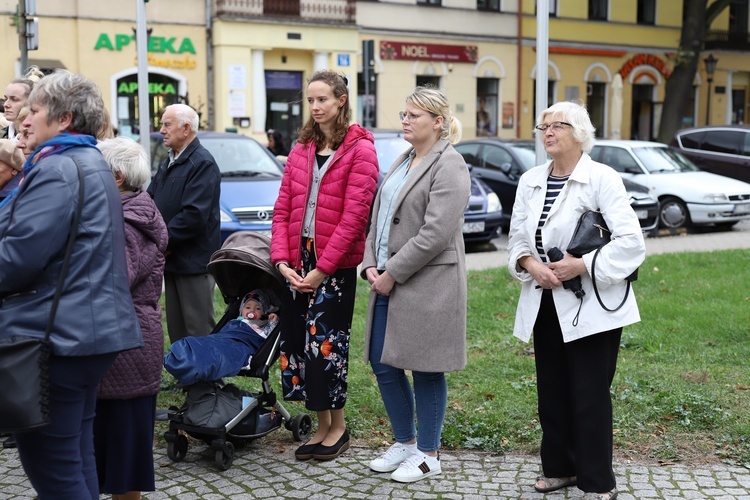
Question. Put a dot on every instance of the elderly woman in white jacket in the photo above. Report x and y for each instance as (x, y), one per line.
(575, 357)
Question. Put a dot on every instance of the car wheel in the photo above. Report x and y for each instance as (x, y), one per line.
(673, 213)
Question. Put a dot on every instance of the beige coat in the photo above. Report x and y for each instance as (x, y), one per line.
(426, 328)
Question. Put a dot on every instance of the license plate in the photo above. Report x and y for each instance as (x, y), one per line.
(742, 208)
(641, 214)
(473, 227)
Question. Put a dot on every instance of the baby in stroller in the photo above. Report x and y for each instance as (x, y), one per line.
(229, 350)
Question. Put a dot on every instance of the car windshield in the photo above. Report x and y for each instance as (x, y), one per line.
(388, 149)
(661, 160)
(241, 157)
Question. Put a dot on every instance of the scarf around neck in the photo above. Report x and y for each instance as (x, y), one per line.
(55, 146)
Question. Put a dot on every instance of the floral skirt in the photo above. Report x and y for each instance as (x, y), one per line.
(315, 330)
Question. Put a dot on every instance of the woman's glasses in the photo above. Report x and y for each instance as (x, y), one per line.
(408, 117)
(555, 126)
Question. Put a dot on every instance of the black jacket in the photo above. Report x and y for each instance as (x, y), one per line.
(187, 195)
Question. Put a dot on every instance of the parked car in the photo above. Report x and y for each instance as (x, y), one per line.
(501, 163)
(688, 195)
(483, 215)
(723, 150)
(250, 179)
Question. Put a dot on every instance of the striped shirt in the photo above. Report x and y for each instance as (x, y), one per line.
(554, 186)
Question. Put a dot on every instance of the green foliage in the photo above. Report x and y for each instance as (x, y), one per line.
(682, 387)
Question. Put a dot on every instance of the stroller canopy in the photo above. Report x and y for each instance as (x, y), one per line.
(242, 263)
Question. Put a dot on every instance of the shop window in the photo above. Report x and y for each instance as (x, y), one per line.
(598, 10)
(428, 81)
(738, 105)
(487, 109)
(595, 104)
(162, 91)
(283, 111)
(647, 12)
(430, 2)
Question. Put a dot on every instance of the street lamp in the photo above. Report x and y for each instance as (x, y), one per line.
(710, 63)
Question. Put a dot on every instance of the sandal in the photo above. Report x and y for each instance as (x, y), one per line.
(553, 483)
(610, 495)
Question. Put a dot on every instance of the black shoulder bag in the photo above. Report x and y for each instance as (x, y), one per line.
(24, 361)
(591, 234)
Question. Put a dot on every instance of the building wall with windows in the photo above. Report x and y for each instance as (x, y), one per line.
(470, 54)
(97, 39)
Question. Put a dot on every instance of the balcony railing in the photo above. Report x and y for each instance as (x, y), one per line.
(727, 40)
(332, 11)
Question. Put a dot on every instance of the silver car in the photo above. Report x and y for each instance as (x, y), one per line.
(688, 195)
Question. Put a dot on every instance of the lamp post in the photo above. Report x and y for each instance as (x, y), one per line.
(710, 63)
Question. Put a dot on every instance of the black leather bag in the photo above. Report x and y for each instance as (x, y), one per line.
(24, 360)
(591, 234)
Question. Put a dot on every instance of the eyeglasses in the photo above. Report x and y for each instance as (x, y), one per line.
(555, 126)
(409, 117)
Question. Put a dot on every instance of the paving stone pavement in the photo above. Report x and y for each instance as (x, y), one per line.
(269, 470)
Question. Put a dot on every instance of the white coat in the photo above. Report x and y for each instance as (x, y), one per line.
(591, 186)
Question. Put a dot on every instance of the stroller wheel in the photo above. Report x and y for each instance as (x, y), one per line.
(225, 456)
(301, 427)
(177, 449)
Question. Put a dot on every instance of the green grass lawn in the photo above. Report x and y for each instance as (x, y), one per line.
(682, 389)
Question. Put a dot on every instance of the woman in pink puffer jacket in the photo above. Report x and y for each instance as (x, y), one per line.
(318, 238)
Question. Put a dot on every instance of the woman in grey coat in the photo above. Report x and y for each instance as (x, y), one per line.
(414, 261)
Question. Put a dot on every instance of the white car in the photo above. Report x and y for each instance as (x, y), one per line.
(689, 196)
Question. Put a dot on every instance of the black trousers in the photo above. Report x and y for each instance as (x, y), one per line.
(575, 407)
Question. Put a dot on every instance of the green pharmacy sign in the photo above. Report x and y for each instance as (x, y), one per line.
(156, 44)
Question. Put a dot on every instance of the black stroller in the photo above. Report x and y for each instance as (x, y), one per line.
(243, 262)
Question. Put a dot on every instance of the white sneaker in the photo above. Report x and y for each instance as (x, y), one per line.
(416, 467)
(392, 458)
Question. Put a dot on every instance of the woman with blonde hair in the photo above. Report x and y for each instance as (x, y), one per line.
(415, 250)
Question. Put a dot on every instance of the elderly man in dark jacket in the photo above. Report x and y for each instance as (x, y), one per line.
(186, 190)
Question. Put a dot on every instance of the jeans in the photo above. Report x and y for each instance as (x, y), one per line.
(59, 458)
(429, 396)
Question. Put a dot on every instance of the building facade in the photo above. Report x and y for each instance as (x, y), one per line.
(244, 64)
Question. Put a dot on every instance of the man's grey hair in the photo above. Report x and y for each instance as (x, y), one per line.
(184, 114)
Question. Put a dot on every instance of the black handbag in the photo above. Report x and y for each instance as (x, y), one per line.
(24, 361)
(591, 234)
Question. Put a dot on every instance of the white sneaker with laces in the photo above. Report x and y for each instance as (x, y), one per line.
(416, 467)
(392, 457)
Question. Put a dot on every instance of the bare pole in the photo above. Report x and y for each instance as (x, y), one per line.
(542, 69)
(144, 121)
(22, 40)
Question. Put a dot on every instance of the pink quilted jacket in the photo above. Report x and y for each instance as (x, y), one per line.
(343, 207)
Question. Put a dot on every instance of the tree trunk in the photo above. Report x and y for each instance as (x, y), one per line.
(680, 82)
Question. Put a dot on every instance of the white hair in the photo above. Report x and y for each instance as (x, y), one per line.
(127, 159)
(574, 113)
(184, 114)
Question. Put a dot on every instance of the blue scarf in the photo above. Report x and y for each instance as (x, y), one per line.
(55, 146)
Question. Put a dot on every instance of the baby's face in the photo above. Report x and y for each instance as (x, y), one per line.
(252, 307)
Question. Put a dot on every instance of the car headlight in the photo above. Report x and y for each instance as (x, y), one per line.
(225, 217)
(493, 203)
(715, 197)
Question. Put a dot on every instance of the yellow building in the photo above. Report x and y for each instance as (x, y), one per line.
(617, 56)
(97, 39)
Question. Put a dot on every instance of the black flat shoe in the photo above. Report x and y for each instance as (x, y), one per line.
(305, 452)
(330, 452)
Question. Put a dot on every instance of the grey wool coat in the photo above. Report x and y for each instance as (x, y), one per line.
(426, 328)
